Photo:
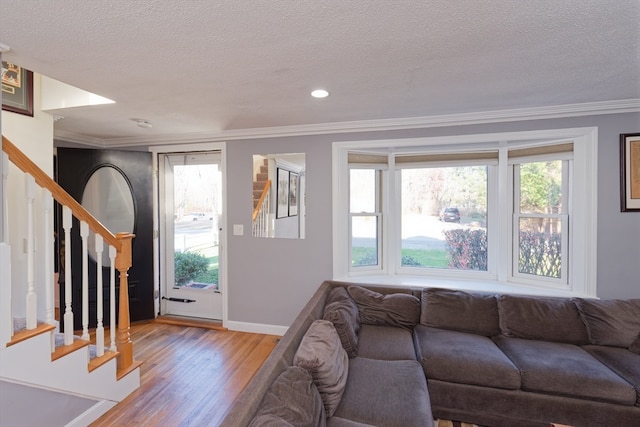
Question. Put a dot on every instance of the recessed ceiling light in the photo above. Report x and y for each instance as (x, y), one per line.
(319, 93)
(144, 123)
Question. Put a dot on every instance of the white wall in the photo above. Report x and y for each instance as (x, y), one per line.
(34, 137)
(270, 280)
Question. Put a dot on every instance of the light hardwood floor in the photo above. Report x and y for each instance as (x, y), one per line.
(190, 376)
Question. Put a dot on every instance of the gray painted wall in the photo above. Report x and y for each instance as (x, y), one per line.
(269, 280)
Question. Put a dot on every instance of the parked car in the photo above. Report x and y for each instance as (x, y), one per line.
(450, 215)
(197, 216)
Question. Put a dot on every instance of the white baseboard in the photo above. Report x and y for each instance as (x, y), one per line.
(256, 328)
(91, 414)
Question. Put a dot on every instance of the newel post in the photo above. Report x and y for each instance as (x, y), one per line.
(123, 340)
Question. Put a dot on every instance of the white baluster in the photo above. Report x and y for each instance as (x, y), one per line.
(67, 222)
(84, 235)
(6, 309)
(4, 231)
(48, 259)
(112, 297)
(99, 326)
(32, 298)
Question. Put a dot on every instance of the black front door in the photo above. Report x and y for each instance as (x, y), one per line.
(131, 173)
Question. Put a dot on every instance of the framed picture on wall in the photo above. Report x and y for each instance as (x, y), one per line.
(293, 194)
(17, 89)
(630, 172)
(282, 206)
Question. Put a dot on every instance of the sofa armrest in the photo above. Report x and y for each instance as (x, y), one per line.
(280, 358)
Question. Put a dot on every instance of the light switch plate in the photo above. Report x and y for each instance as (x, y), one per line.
(238, 229)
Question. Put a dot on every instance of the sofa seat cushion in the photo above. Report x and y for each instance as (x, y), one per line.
(635, 345)
(390, 393)
(464, 358)
(621, 361)
(385, 343)
(292, 399)
(566, 370)
(343, 422)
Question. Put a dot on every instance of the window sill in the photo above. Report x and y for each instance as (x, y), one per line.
(491, 286)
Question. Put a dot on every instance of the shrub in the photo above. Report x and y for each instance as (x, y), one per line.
(409, 261)
(367, 258)
(189, 265)
(467, 249)
(540, 253)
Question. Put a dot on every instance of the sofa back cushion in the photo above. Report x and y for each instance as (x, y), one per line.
(321, 353)
(342, 311)
(611, 322)
(397, 309)
(475, 313)
(292, 399)
(539, 318)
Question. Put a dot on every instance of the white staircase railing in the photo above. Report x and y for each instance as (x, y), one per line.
(261, 213)
(6, 323)
(39, 186)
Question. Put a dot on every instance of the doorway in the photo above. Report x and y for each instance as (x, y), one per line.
(191, 208)
(116, 188)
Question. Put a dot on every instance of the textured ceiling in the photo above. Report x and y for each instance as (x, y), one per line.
(210, 67)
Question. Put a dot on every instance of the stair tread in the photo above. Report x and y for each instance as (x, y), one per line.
(63, 350)
(24, 334)
(96, 361)
(121, 373)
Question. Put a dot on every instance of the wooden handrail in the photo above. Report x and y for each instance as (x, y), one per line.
(26, 165)
(121, 242)
(265, 191)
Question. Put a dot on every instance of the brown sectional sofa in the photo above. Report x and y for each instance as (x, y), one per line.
(411, 355)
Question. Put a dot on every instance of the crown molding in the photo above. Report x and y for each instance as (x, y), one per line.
(462, 119)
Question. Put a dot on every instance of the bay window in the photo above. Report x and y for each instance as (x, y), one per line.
(515, 210)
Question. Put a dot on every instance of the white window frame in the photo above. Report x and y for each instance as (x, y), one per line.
(567, 196)
(377, 213)
(582, 237)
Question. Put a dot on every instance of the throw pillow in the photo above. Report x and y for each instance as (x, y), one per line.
(539, 318)
(611, 322)
(291, 400)
(475, 313)
(342, 311)
(321, 353)
(400, 310)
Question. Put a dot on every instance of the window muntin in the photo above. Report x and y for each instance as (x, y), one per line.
(444, 217)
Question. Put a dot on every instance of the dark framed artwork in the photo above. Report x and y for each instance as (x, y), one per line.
(282, 192)
(17, 89)
(630, 172)
(293, 194)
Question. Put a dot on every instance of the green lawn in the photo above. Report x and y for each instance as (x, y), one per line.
(427, 257)
(411, 257)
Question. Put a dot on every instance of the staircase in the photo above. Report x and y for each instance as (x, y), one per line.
(260, 182)
(33, 351)
(262, 225)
